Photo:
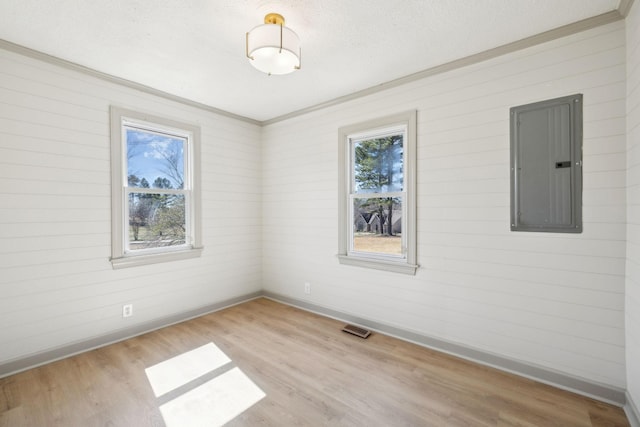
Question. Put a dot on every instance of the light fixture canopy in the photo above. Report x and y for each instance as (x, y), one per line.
(273, 48)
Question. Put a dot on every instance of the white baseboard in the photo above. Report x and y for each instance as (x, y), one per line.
(23, 363)
(632, 411)
(602, 392)
(581, 386)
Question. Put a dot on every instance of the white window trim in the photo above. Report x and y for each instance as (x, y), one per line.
(408, 264)
(119, 223)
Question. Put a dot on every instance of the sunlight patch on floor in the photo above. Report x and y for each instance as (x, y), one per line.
(179, 370)
(214, 403)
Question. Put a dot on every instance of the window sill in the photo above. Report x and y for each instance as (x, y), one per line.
(395, 267)
(138, 260)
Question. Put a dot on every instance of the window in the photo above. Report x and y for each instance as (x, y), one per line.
(155, 189)
(377, 194)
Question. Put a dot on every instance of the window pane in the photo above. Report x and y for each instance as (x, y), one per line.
(156, 220)
(154, 160)
(378, 165)
(371, 225)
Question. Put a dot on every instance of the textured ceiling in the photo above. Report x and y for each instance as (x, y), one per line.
(195, 48)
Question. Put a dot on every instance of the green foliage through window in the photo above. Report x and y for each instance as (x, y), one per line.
(157, 215)
(377, 203)
(377, 185)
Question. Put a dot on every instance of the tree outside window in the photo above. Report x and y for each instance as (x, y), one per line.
(377, 194)
(155, 189)
(378, 170)
(157, 211)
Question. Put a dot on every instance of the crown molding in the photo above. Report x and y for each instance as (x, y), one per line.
(556, 33)
(54, 60)
(624, 7)
(606, 18)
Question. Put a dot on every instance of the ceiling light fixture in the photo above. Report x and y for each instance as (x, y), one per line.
(273, 48)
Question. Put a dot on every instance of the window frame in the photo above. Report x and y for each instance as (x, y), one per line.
(121, 257)
(368, 130)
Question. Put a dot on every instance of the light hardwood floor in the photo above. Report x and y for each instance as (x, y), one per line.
(312, 374)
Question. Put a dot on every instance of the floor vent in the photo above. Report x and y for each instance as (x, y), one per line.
(359, 332)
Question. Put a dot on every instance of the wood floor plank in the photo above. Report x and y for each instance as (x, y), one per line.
(312, 374)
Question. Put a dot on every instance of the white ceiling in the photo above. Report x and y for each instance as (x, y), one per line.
(195, 49)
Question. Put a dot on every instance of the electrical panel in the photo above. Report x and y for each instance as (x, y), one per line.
(546, 166)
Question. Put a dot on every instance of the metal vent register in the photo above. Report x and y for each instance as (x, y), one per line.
(357, 331)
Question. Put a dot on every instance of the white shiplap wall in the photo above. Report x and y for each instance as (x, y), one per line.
(56, 282)
(632, 323)
(552, 300)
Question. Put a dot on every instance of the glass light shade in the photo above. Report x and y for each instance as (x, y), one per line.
(265, 52)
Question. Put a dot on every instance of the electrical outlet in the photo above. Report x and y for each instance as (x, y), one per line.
(127, 310)
(307, 288)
